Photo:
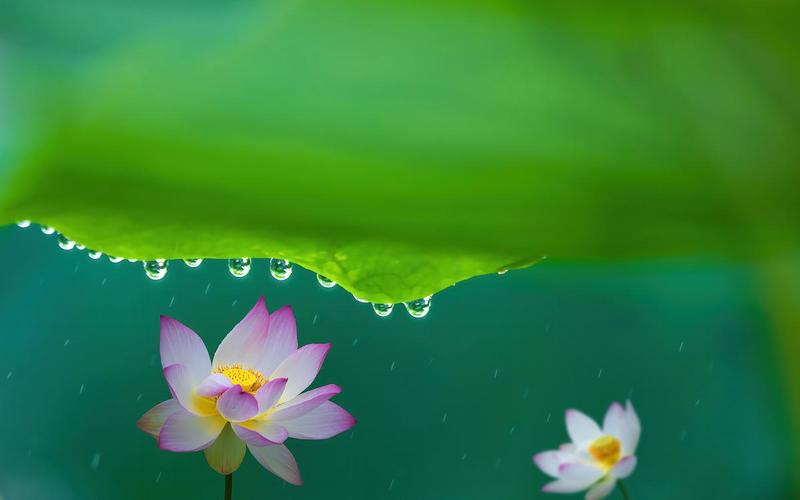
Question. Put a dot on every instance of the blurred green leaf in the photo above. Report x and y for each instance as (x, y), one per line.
(398, 148)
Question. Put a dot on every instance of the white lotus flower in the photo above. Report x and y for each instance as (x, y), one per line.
(596, 458)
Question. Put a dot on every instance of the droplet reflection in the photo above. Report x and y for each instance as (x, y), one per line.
(280, 269)
(383, 310)
(155, 269)
(239, 267)
(419, 308)
(325, 281)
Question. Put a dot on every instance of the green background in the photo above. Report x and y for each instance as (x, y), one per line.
(501, 356)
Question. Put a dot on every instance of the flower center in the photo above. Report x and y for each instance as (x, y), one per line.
(605, 450)
(250, 380)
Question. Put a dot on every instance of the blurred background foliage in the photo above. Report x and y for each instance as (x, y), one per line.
(449, 406)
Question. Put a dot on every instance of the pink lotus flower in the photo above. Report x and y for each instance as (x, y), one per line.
(251, 396)
(596, 458)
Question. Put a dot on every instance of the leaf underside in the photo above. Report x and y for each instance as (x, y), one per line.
(398, 149)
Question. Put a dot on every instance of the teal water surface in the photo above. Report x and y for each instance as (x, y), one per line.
(451, 406)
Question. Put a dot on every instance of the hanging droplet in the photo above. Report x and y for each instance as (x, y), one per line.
(325, 281)
(360, 299)
(115, 260)
(23, 223)
(94, 254)
(239, 267)
(48, 230)
(502, 272)
(192, 262)
(155, 269)
(383, 310)
(131, 260)
(280, 269)
(419, 308)
(65, 243)
(80, 247)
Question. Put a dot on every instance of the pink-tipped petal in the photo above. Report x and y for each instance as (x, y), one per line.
(182, 386)
(152, 421)
(301, 367)
(180, 345)
(581, 428)
(237, 405)
(184, 431)
(270, 393)
(278, 460)
(305, 402)
(281, 340)
(624, 467)
(250, 436)
(631, 431)
(323, 422)
(226, 454)
(601, 489)
(214, 385)
(549, 461)
(271, 431)
(245, 344)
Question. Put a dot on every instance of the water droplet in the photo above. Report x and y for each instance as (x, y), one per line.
(280, 269)
(48, 230)
(115, 260)
(360, 299)
(155, 269)
(192, 262)
(502, 272)
(23, 223)
(80, 247)
(94, 254)
(239, 267)
(131, 260)
(419, 308)
(383, 310)
(65, 243)
(95, 460)
(325, 281)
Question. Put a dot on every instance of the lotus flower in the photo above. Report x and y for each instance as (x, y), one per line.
(251, 394)
(596, 458)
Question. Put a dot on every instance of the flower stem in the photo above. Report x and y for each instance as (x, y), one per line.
(228, 486)
(623, 491)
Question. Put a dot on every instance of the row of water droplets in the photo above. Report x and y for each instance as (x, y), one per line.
(280, 269)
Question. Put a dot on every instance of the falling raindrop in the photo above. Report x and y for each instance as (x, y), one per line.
(325, 281)
(155, 269)
(65, 243)
(239, 267)
(280, 269)
(192, 262)
(419, 308)
(115, 260)
(80, 247)
(48, 230)
(383, 310)
(94, 254)
(24, 223)
(95, 460)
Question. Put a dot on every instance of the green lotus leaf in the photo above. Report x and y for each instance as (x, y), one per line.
(399, 147)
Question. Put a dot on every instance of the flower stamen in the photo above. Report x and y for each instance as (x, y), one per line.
(606, 451)
(250, 380)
